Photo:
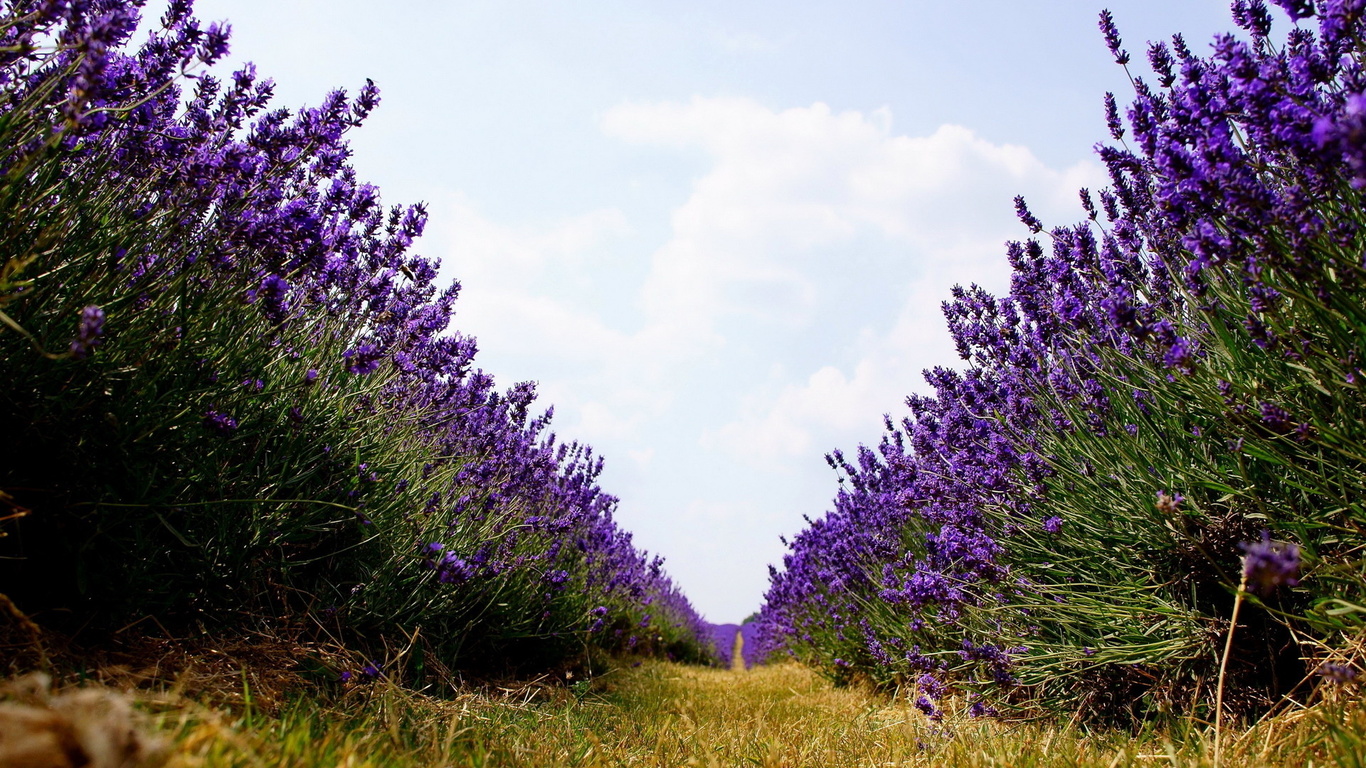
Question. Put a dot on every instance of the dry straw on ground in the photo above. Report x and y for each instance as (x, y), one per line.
(82, 728)
(668, 715)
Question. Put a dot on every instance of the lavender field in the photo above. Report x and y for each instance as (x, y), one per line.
(233, 395)
(235, 402)
(1160, 424)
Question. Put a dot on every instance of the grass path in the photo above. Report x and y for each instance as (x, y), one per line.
(668, 715)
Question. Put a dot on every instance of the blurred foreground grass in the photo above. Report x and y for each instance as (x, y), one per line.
(660, 714)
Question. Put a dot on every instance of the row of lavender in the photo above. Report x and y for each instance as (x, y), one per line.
(228, 392)
(1167, 404)
(723, 638)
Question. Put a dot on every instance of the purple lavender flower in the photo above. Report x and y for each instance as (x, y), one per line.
(88, 333)
(1296, 9)
(1338, 674)
(926, 705)
(1027, 218)
(1347, 136)
(450, 568)
(1169, 506)
(1252, 16)
(1276, 417)
(1112, 41)
(364, 359)
(1160, 57)
(1269, 564)
(219, 422)
(979, 708)
(1180, 355)
(1112, 117)
(274, 291)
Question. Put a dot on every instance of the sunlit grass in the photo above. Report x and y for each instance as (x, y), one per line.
(661, 714)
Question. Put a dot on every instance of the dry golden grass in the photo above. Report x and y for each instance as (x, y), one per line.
(668, 715)
(78, 728)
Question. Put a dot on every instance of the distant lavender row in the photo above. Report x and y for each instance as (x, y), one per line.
(722, 639)
(229, 392)
(1174, 380)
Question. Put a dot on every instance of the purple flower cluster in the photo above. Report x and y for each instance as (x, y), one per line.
(450, 568)
(219, 422)
(88, 333)
(1270, 564)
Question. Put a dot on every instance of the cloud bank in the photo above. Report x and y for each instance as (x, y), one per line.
(792, 300)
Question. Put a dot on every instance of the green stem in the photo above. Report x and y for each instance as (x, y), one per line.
(1223, 669)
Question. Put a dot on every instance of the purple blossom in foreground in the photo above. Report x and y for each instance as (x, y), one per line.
(1296, 9)
(364, 359)
(1345, 136)
(1270, 564)
(1027, 218)
(980, 708)
(1169, 506)
(1339, 674)
(88, 332)
(219, 422)
(274, 293)
(1276, 417)
(1112, 41)
(1112, 119)
(450, 568)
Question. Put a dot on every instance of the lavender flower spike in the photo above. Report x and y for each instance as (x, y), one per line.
(1269, 564)
(219, 422)
(1112, 41)
(88, 332)
(1338, 674)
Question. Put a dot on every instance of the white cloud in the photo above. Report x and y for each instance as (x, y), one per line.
(806, 218)
(832, 409)
(507, 274)
(761, 238)
(792, 300)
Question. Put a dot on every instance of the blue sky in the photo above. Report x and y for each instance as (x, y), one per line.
(716, 233)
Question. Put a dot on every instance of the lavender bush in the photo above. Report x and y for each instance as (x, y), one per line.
(1168, 383)
(229, 393)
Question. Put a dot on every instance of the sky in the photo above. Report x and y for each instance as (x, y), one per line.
(717, 232)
